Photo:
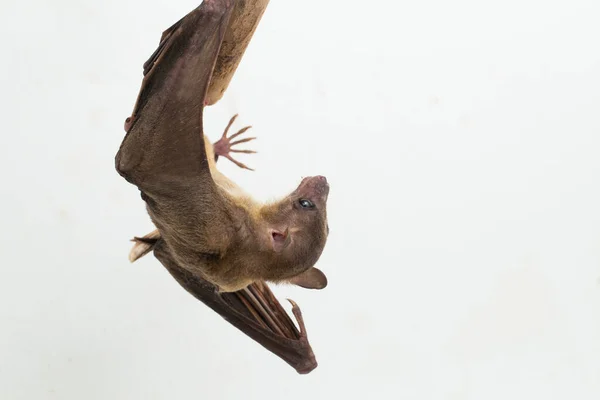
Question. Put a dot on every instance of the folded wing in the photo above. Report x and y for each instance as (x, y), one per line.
(163, 152)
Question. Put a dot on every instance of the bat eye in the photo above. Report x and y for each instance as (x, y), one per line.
(306, 203)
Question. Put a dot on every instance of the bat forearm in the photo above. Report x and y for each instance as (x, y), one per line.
(243, 22)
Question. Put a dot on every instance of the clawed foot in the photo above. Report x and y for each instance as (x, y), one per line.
(223, 147)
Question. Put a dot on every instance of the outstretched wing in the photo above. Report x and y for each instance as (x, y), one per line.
(163, 151)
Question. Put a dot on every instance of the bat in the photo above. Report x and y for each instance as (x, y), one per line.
(218, 243)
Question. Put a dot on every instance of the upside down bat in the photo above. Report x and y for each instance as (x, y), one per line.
(213, 238)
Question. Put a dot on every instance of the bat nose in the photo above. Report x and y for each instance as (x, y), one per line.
(318, 181)
(314, 185)
(317, 185)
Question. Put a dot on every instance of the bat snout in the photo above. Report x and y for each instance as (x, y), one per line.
(314, 186)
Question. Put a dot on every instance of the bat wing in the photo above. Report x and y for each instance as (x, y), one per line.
(163, 151)
(163, 154)
(161, 45)
(254, 310)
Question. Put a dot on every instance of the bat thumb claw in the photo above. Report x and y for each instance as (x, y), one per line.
(293, 303)
(298, 314)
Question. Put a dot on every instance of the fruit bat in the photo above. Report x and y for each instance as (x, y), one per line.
(218, 243)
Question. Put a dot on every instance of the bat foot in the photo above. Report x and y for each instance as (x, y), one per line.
(224, 146)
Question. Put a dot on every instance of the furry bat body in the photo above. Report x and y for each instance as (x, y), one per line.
(213, 237)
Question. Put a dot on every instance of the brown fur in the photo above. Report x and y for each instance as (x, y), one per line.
(249, 255)
(208, 224)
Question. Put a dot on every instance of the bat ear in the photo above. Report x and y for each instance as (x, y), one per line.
(280, 240)
(312, 278)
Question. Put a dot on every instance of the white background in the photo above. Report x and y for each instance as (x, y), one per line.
(461, 140)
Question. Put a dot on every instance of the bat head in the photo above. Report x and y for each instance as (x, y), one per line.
(298, 230)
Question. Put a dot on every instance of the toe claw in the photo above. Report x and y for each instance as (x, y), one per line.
(236, 162)
(229, 126)
(243, 151)
(238, 133)
(242, 141)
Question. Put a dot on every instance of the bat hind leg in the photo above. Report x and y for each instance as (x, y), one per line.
(224, 146)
